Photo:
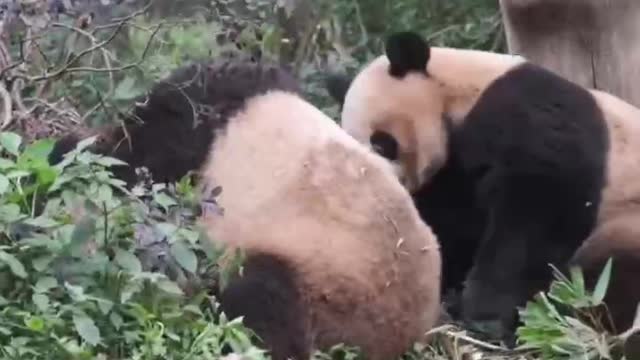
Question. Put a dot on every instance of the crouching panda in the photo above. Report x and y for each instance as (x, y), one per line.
(514, 167)
(335, 250)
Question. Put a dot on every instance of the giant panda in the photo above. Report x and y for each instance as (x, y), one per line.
(335, 250)
(514, 168)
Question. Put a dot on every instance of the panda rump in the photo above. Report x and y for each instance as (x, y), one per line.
(336, 251)
(354, 261)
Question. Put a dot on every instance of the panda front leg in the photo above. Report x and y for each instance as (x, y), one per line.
(532, 221)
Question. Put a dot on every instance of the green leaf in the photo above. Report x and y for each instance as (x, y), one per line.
(85, 143)
(184, 256)
(82, 233)
(170, 287)
(129, 290)
(14, 174)
(4, 184)
(193, 309)
(14, 264)
(87, 329)
(128, 261)
(107, 161)
(104, 193)
(164, 200)
(46, 175)
(76, 292)
(190, 235)
(272, 39)
(116, 320)
(104, 305)
(563, 292)
(45, 284)
(10, 213)
(10, 142)
(35, 323)
(42, 222)
(577, 280)
(41, 301)
(41, 263)
(600, 290)
(6, 164)
(125, 89)
(166, 229)
(86, 157)
(59, 181)
(39, 150)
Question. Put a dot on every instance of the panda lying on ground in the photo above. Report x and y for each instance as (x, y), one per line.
(337, 253)
(513, 166)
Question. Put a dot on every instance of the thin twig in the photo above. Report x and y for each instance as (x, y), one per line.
(444, 329)
(102, 70)
(67, 67)
(16, 91)
(116, 21)
(7, 107)
(103, 50)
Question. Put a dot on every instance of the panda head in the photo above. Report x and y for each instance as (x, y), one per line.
(403, 103)
(387, 101)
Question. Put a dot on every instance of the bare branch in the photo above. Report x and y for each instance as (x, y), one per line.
(116, 21)
(105, 52)
(7, 105)
(103, 70)
(97, 46)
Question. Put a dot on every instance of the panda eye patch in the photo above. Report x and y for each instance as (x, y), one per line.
(385, 144)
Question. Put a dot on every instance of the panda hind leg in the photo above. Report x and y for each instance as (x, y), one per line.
(618, 239)
(523, 234)
(266, 296)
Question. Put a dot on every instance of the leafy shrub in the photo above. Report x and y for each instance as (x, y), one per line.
(564, 323)
(72, 282)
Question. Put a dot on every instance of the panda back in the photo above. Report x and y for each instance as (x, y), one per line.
(282, 161)
(623, 158)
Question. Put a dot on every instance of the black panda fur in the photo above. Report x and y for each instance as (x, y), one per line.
(162, 132)
(517, 168)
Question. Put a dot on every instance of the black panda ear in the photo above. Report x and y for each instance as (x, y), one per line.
(337, 86)
(407, 51)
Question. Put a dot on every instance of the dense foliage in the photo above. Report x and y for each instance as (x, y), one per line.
(89, 270)
(79, 279)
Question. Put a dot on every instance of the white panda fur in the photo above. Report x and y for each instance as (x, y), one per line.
(471, 129)
(334, 211)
